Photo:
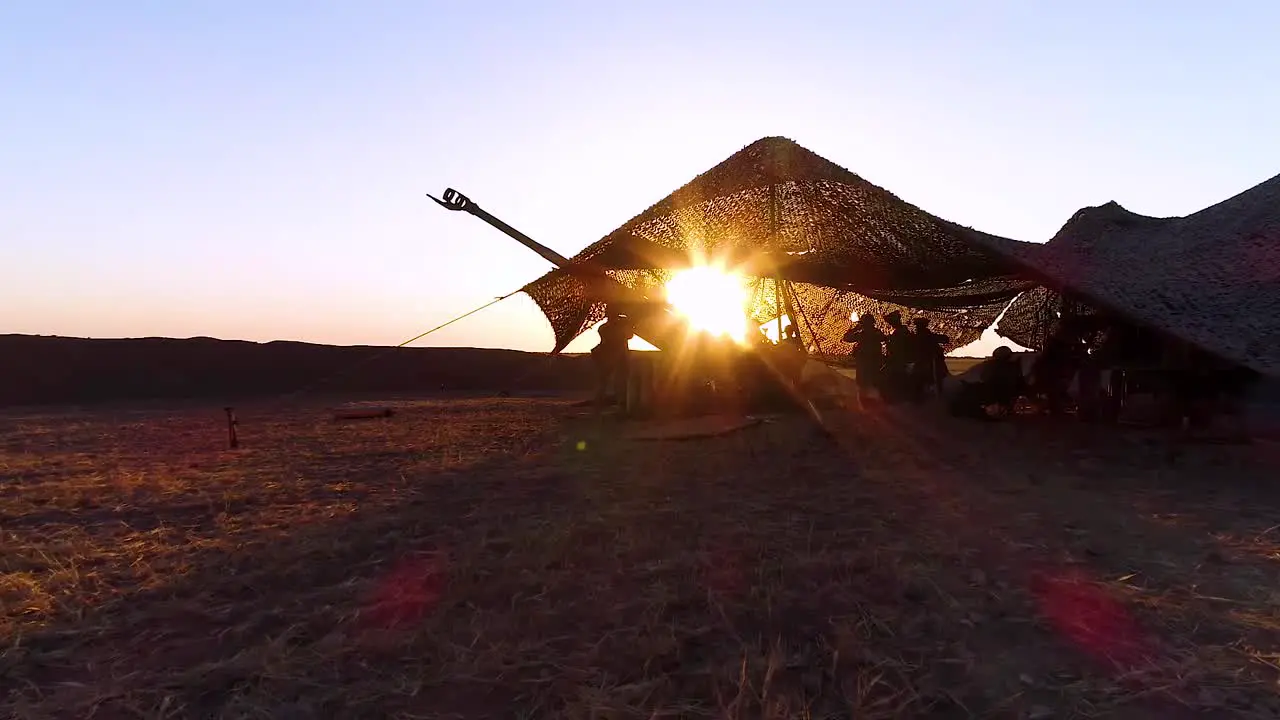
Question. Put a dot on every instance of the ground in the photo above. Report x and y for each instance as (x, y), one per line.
(519, 558)
(957, 365)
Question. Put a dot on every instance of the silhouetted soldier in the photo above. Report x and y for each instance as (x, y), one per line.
(612, 356)
(1057, 363)
(1002, 376)
(999, 382)
(899, 347)
(929, 366)
(793, 353)
(868, 357)
(792, 338)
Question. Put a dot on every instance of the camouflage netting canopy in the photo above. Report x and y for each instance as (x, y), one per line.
(818, 243)
(807, 233)
(1211, 278)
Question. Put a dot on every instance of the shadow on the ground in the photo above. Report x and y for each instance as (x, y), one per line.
(1079, 517)
(923, 567)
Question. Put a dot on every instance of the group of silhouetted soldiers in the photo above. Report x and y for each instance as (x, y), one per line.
(1194, 384)
(901, 364)
(611, 356)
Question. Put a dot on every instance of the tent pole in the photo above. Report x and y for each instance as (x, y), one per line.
(777, 303)
(791, 304)
(773, 245)
(823, 312)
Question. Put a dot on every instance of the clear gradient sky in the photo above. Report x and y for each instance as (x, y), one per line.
(257, 170)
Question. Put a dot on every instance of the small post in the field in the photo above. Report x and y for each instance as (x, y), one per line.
(232, 439)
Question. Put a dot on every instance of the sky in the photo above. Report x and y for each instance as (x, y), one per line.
(258, 170)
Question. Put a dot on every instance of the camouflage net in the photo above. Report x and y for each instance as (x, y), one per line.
(839, 244)
(1210, 279)
(1031, 317)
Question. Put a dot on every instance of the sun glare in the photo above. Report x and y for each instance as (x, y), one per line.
(710, 299)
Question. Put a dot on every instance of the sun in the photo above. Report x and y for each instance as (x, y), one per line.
(710, 299)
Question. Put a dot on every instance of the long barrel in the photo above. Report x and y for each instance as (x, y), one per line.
(454, 200)
(661, 329)
(664, 330)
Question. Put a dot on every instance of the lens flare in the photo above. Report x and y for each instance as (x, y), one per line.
(710, 299)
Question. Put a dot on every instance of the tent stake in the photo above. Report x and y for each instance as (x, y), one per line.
(232, 440)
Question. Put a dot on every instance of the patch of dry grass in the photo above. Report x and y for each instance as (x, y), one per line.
(514, 558)
(958, 365)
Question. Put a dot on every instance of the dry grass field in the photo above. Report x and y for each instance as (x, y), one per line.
(957, 365)
(517, 558)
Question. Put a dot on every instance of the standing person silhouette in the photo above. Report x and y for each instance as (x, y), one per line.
(899, 346)
(794, 353)
(868, 357)
(612, 357)
(929, 364)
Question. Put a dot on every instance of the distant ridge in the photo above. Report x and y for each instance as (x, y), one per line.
(45, 370)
